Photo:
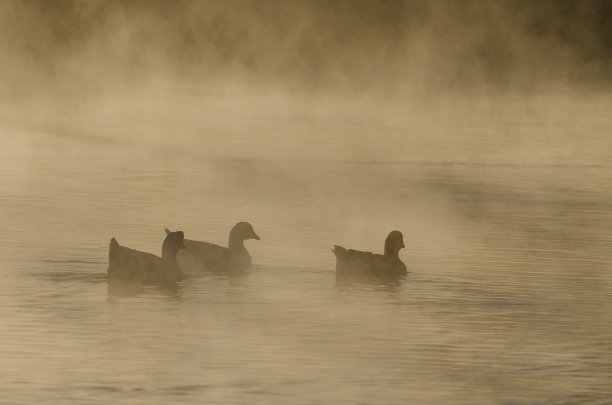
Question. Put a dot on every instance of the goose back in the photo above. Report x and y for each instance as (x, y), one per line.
(209, 256)
(370, 266)
(130, 264)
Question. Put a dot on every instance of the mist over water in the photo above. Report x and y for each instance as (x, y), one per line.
(384, 48)
(481, 132)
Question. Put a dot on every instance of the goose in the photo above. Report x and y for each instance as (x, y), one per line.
(208, 256)
(130, 264)
(365, 265)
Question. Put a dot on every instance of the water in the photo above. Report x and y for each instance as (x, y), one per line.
(508, 300)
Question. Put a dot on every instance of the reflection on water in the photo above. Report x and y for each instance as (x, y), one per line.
(508, 300)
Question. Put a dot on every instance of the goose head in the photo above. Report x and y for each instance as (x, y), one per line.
(394, 243)
(241, 232)
(173, 242)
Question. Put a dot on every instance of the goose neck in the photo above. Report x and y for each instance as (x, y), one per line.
(235, 244)
(392, 254)
(169, 254)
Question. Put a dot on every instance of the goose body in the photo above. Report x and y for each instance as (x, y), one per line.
(356, 264)
(131, 264)
(209, 256)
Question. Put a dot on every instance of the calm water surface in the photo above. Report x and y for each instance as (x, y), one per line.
(508, 300)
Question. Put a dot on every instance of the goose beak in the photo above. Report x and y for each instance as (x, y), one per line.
(255, 236)
(403, 246)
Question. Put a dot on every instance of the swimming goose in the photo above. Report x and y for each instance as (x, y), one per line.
(130, 264)
(366, 265)
(208, 256)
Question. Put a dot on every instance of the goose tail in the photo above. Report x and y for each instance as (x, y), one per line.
(339, 250)
(167, 231)
(113, 248)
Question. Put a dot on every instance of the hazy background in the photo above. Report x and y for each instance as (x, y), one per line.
(481, 130)
(380, 47)
(414, 66)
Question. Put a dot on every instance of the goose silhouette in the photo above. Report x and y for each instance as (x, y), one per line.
(130, 264)
(208, 256)
(355, 264)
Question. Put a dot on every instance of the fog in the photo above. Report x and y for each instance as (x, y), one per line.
(290, 86)
(480, 130)
(411, 66)
(383, 47)
(265, 94)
